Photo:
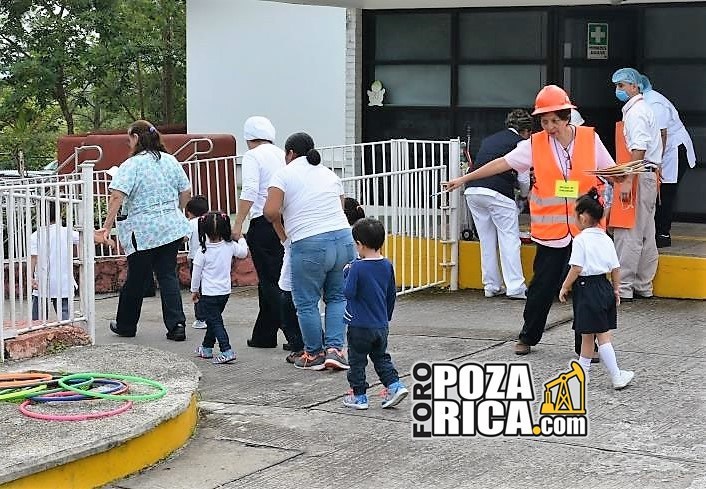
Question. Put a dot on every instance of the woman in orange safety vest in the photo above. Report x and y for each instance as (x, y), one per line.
(561, 155)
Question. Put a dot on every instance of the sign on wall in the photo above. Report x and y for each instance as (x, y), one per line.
(597, 41)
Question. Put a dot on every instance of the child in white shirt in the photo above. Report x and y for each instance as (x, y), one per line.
(594, 300)
(210, 281)
(52, 251)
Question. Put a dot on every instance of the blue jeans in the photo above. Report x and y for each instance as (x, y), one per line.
(372, 342)
(317, 266)
(212, 307)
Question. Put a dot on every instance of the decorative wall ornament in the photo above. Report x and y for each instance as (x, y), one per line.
(375, 94)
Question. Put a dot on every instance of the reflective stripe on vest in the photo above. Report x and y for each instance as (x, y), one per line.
(622, 214)
(552, 217)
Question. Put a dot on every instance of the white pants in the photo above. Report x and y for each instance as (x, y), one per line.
(636, 247)
(495, 218)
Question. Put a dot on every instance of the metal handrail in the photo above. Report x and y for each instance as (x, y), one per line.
(74, 156)
(196, 142)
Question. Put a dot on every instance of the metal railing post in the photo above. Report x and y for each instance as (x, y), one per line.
(454, 214)
(87, 270)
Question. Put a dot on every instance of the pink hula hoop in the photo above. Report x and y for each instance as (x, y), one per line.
(73, 417)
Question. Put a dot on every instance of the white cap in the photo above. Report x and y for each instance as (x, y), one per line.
(112, 171)
(576, 118)
(258, 127)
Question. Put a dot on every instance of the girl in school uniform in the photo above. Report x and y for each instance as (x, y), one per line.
(593, 255)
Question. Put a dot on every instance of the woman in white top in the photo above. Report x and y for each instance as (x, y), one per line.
(262, 160)
(310, 198)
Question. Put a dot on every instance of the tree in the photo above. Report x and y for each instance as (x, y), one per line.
(97, 63)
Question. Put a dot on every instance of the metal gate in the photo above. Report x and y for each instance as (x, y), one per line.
(47, 240)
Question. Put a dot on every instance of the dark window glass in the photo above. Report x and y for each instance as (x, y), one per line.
(502, 35)
(590, 87)
(413, 37)
(675, 32)
(420, 85)
(499, 85)
(683, 85)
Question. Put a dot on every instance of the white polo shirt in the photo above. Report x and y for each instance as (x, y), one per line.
(259, 164)
(594, 252)
(640, 129)
(667, 117)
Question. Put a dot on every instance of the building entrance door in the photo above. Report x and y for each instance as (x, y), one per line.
(591, 44)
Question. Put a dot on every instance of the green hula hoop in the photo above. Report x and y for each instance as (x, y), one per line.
(161, 390)
(22, 393)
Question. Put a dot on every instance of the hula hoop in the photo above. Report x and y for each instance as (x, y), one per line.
(161, 390)
(84, 383)
(23, 379)
(73, 417)
(116, 387)
(22, 393)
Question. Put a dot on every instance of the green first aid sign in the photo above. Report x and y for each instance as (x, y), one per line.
(597, 41)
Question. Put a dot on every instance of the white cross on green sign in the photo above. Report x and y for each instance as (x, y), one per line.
(597, 41)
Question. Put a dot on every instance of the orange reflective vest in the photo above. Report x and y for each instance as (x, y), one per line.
(552, 217)
(622, 214)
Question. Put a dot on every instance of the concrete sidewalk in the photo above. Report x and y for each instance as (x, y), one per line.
(265, 424)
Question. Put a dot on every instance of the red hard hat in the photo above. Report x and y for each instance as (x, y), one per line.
(550, 99)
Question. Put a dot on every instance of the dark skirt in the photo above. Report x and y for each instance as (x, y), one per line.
(594, 305)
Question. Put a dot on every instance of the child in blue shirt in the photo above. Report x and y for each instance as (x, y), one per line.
(371, 291)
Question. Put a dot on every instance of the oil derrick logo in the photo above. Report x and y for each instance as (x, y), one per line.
(566, 393)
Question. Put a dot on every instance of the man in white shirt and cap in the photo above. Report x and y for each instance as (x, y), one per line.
(636, 247)
(678, 153)
(262, 160)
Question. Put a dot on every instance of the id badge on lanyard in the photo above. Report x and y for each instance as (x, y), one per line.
(566, 189)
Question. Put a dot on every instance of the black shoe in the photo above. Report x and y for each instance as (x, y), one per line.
(286, 347)
(178, 333)
(114, 328)
(663, 240)
(252, 344)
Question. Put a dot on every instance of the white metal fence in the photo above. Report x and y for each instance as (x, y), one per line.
(395, 181)
(47, 239)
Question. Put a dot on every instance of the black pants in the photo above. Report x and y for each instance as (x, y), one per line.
(212, 307)
(140, 265)
(267, 253)
(668, 195)
(549, 267)
(290, 323)
(364, 342)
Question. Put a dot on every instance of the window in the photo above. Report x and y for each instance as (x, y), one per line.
(663, 41)
(482, 35)
(404, 37)
(499, 85)
(417, 85)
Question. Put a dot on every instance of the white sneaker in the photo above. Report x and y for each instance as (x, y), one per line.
(199, 324)
(623, 378)
(522, 296)
(494, 293)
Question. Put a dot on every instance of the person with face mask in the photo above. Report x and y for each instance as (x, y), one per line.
(633, 210)
(562, 156)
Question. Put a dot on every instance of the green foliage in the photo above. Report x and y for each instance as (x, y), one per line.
(70, 66)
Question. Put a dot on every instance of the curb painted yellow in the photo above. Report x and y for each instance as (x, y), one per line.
(681, 277)
(116, 463)
(678, 277)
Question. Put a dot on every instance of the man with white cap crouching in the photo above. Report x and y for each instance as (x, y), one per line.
(262, 160)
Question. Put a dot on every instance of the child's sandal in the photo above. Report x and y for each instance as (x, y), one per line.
(204, 352)
(224, 357)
